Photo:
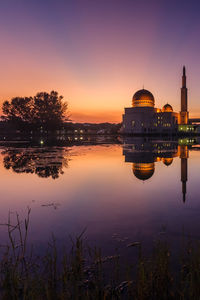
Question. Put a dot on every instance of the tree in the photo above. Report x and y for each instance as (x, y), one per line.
(49, 110)
(44, 109)
(19, 109)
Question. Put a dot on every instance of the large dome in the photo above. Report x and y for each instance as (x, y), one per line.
(143, 171)
(143, 98)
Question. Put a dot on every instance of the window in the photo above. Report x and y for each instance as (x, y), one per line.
(133, 123)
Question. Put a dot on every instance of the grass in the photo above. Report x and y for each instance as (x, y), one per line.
(84, 273)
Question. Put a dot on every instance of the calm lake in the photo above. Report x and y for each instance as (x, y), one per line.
(136, 189)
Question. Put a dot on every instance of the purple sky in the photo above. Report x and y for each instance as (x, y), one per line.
(98, 53)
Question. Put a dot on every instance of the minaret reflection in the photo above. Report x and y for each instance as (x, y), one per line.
(184, 158)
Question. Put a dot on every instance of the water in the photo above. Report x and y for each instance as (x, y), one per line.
(118, 193)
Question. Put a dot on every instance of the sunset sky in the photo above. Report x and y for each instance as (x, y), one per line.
(97, 53)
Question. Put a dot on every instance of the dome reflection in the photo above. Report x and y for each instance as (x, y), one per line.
(167, 161)
(143, 171)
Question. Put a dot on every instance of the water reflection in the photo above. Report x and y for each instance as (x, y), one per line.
(101, 192)
(143, 154)
(45, 162)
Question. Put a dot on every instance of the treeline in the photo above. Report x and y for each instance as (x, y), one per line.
(46, 112)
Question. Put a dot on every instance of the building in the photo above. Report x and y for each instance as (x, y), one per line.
(144, 118)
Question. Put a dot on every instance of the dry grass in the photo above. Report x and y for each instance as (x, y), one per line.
(83, 273)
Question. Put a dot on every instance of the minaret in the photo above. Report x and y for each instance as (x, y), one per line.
(184, 109)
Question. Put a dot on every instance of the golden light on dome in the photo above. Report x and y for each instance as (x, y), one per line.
(167, 108)
(143, 171)
(167, 160)
(143, 98)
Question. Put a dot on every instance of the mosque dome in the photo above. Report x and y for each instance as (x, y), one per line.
(143, 171)
(167, 108)
(167, 161)
(143, 98)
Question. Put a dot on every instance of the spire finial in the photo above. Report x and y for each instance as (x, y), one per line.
(183, 70)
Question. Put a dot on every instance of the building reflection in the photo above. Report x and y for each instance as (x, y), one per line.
(184, 166)
(145, 153)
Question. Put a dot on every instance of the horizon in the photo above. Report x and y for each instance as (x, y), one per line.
(97, 55)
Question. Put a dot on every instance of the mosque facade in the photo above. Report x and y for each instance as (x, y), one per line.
(144, 118)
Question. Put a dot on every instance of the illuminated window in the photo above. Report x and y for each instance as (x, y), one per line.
(133, 123)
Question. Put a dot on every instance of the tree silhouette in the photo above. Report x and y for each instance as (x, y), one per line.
(44, 109)
(49, 110)
(19, 109)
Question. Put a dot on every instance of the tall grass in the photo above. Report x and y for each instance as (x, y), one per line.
(84, 273)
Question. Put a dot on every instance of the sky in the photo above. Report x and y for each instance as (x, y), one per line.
(98, 53)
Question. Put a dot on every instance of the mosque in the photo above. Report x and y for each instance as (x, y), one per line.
(144, 118)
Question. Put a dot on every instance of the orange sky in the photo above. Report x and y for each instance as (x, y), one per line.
(98, 54)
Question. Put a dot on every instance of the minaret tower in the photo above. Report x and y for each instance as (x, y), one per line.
(184, 109)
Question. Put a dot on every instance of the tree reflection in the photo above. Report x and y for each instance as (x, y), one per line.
(45, 162)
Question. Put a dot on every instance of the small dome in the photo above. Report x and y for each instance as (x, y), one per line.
(167, 161)
(143, 98)
(167, 108)
(143, 171)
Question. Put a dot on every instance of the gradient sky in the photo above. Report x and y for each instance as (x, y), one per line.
(97, 53)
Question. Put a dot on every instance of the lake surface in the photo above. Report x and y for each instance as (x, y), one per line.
(120, 193)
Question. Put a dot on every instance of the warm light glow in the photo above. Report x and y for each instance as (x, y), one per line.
(143, 171)
(144, 103)
(167, 160)
(95, 57)
(158, 159)
(167, 108)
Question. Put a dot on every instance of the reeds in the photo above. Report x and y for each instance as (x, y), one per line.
(84, 273)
